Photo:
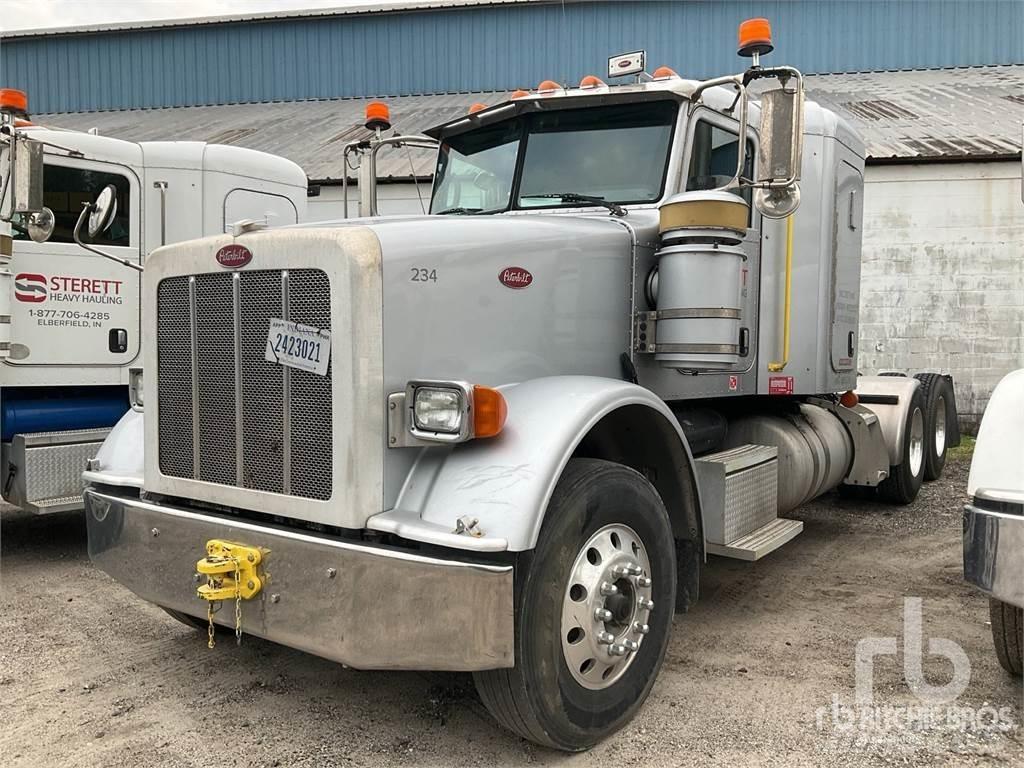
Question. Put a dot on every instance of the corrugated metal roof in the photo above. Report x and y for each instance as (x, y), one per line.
(487, 47)
(974, 112)
(927, 115)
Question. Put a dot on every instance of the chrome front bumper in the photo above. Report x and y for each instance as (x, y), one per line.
(368, 607)
(994, 549)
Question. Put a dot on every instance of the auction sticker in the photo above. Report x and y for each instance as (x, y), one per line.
(298, 346)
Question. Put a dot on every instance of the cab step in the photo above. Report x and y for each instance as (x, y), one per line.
(756, 545)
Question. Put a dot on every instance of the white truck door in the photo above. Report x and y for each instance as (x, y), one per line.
(277, 210)
(72, 307)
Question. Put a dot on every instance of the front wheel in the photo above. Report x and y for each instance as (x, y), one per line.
(594, 610)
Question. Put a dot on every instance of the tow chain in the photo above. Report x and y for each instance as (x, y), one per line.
(210, 630)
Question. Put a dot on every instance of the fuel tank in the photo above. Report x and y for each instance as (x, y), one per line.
(815, 450)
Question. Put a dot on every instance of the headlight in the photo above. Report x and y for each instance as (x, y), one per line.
(135, 392)
(439, 410)
(443, 412)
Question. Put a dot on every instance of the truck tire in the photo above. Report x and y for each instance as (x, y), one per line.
(604, 523)
(905, 479)
(938, 394)
(1008, 635)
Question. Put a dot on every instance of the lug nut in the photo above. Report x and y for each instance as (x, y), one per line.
(643, 581)
(617, 650)
(603, 614)
(608, 589)
(644, 603)
(605, 638)
(642, 629)
(631, 645)
(633, 569)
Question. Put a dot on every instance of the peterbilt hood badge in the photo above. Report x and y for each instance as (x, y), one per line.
(233, 256)
(515, 277)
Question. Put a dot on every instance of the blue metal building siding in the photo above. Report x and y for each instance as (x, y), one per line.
(489, 48)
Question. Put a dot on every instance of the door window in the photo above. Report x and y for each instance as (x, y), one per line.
(713, 159)
(66, 189)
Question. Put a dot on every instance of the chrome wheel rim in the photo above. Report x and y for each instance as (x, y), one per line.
(606, 606)
(916, 442)
(940, 426)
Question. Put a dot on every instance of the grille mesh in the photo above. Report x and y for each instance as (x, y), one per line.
(174, 372)
(262, 383)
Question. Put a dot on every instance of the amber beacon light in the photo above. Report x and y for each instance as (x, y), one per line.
(14, 101)
(755, 38)
(378, 116)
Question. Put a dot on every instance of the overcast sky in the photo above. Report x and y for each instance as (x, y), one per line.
(33, 14)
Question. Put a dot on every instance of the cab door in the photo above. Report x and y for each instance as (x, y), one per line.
(72, 307)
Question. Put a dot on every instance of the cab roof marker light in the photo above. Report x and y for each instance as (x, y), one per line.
(519, 94)
(549, 86)
(478, 107)
(664, 73)
(592, 81)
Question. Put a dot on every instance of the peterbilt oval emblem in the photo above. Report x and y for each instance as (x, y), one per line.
(515, 277)
(234, 256)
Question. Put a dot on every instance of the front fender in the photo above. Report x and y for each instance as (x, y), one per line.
(505, 482)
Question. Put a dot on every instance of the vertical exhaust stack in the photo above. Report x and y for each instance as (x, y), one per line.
(699, 285)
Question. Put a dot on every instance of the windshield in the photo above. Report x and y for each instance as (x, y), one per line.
(618, 153)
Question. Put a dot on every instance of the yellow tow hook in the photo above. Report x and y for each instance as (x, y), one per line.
(230, 571)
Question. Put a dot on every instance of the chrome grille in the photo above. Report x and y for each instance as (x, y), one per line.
(263, 426)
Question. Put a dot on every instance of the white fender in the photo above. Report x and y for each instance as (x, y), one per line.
(998, 461)
(504, 483)
(120, 460)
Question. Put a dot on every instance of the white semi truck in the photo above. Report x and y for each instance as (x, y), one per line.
(503, 437)
(994, 518)
(69, 318)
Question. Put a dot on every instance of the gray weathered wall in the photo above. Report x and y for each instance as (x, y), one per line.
(942, 285)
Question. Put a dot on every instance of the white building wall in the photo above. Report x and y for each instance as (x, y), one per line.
(391, 199)
(942, 285)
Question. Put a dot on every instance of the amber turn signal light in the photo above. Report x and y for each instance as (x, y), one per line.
(489, 411)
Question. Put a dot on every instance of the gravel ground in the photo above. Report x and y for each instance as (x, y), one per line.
(90, 676)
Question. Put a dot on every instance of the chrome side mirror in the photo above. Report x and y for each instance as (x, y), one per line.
(781, 150)
(102, 212)
(40, 225)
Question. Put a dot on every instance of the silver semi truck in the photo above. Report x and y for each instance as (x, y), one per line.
(504, 437)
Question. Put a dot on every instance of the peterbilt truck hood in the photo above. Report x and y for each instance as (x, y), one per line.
(488, 300)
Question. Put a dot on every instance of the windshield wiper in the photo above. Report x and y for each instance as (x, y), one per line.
(574, 197)
(469, 211)
(462, 211)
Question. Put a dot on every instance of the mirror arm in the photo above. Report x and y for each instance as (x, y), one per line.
(87, 208)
